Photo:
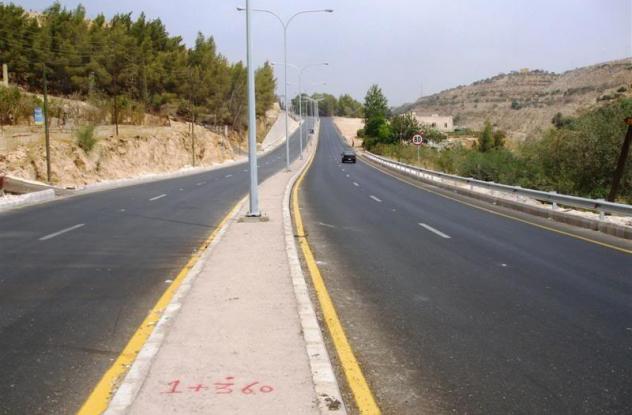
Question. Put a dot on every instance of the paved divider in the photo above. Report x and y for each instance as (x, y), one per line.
(252, 345)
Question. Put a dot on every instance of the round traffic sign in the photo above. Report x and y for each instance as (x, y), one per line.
(418, 139)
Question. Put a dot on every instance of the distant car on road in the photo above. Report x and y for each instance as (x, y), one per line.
(348, 156)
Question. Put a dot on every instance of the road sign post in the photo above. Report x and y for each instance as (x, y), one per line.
(418, 140)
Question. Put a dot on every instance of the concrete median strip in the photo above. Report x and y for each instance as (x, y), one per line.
(363, 396)
(238, 333)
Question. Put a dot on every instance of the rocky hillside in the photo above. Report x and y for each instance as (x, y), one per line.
(524, 102)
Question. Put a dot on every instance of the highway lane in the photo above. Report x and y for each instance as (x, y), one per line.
(78, 275)
(454, 309)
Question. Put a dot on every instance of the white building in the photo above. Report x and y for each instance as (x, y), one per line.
(441, 123)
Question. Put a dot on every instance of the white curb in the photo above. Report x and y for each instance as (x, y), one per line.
(325, 383)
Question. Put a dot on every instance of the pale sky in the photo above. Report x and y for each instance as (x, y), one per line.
(405, 46)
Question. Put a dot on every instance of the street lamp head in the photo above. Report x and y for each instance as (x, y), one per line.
(240, 9)
(329, 10)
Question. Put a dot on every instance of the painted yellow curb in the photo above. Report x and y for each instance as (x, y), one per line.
(362, 394)
(100, 397)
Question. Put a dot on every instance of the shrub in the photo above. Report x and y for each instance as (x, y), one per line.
(515, 105)
(15, 106)
(360, 133)
(85, 138)
(435, 135)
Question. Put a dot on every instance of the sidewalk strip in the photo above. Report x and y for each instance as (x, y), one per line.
(100, 396)
(52, 235)
(362, 394)
(433, 230)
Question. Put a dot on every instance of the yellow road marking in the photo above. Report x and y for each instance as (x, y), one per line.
(604, 244)
(100, 397)
(355, 378)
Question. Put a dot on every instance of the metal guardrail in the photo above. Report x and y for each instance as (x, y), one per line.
(554, 198)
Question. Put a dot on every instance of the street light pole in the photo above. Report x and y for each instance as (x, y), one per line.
(285, 25)
(287, 137)
(300, 75)
(252, 121)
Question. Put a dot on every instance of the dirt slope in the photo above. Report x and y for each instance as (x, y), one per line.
(524, 102)
(136, 151)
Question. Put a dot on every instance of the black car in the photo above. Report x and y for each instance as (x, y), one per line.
(348, 156)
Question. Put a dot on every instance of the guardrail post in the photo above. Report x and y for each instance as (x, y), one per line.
(554, 203)
(602, 214)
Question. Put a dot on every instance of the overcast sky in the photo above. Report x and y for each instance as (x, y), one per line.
(405, 46)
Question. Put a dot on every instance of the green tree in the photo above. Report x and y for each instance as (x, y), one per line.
(375, 112)
(265, 84)
(132, 63)
(349, 107)
(375, 104)
(499, 139)
(404, 126)
(486, 138)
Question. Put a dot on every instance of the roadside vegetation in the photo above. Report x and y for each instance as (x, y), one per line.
(329, 105)
(576, 155)
(86, 140)
(124, 67)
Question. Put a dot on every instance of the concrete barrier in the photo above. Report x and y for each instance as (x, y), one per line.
(12, 202)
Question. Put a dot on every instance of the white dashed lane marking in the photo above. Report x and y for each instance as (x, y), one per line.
(376, 199)
(356, 184)
(52, 235)
(433, 230)
(157, 197)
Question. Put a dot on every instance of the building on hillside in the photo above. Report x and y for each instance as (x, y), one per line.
(441, 123)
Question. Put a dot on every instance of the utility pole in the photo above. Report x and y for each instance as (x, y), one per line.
(193, 138)
(115, 105)
(623, 156)
(46, 132)
(252, 121)
(5, 75)
(91, 85)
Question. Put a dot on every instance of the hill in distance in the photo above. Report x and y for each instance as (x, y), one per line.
(523, 102)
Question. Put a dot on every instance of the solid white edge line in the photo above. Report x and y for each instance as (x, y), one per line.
(376, 199)
(158, 197)
(52, 235)
(433, 230)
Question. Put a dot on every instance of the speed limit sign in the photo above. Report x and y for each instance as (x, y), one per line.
(418, 139)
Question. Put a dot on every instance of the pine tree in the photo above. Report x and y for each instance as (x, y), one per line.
(486, 139)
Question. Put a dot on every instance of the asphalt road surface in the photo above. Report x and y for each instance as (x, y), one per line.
(452, 309)
(78, 276)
